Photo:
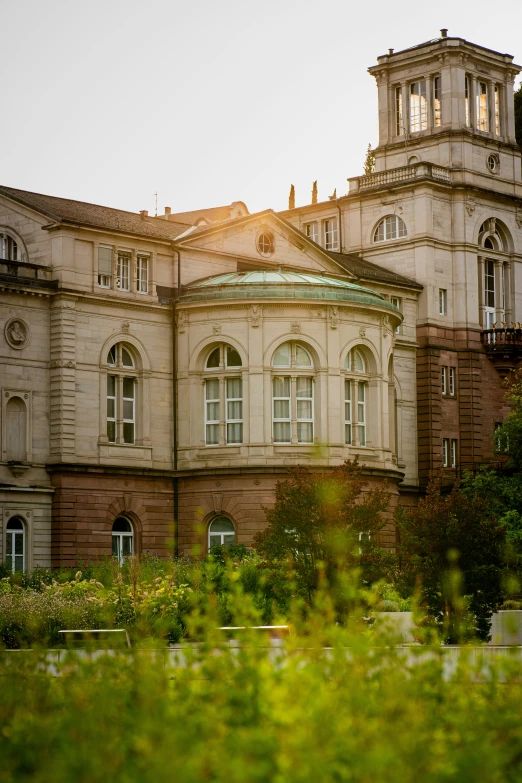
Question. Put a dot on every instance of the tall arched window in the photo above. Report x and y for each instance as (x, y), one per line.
(121, 395)
(16, 429)
(390, 227)
(495, 270)
(15, 545)
(356, 377)
(221, 532)
(292, 394)
(122, 539)
(223, 397)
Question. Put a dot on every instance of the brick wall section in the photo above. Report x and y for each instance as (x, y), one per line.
(471, 415)
(243, 499)
(86, 503)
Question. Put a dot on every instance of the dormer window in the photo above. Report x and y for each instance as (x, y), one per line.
(418, 107)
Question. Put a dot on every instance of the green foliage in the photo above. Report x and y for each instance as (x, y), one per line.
(369, 161)
(455, 547)
(316, 526)
(332, 704)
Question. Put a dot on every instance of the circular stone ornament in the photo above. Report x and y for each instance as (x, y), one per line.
(16, 333)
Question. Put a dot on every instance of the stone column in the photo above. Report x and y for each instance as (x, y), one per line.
(498, 293)
(481, 285)
(63, 379)
(510, 108)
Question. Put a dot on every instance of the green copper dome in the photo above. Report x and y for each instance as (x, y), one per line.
(268, 284)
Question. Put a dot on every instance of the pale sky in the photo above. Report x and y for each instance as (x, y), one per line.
(207, 101)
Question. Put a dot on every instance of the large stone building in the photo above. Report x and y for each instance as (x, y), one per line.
(159, 375)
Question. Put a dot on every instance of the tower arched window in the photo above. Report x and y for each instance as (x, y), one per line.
(122, 539)
(221, 532)
(356, 380)
(292, 394)
(390, 227)
(121, 394)
(495, 271)
(223, 396)
(15, 545)
(9, 248)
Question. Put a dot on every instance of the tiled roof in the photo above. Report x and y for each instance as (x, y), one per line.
(367, 271)
(214, 214)
(64, 210)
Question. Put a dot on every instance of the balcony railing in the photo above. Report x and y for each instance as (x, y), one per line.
(402, 174)
(503, 347)
(24, 269)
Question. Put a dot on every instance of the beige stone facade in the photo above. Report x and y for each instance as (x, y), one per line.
(384, 301)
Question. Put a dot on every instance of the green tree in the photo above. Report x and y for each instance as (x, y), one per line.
(518, 115)
(369, 162)
(454, 546)
(327, 521)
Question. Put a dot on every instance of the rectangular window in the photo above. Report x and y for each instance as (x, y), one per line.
(331, 234)
(497, 110)
(436, 102)
(312, 231)
(397, 302)
(234, 403)
(281, 409)
(14, 555)
(452, 377)
(123, 282)
(212, 412)
(443, 301)
(444, 380)
(305, 410)
(361, 413)
(445, 452)
(482, 106)
(453, 453)
(399, 122)
(498, 443)
(348, 412)
(489, 272)
(466, 101)
(418, 107)
(111, 408)
(143, 274)
(129, 408)
(104, 267)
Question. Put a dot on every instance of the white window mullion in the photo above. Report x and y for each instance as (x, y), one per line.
(234, 410)
(305, 409)
(281, 413)
(348, 412)
(361, 412)
(212, 406)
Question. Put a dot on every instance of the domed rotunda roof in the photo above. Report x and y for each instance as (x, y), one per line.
(268, 284)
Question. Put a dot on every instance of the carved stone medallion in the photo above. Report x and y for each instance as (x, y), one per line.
(16, 333)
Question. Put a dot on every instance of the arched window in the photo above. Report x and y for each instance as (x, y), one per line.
(356, 378)
(16, 430)
(9, 250)
(122, 539)
(390, 227)
(223, 397)
(221, 532)
(15, 545)
(496, 272)
(121, 395)
(292, 395)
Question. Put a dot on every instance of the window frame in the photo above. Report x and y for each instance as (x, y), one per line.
(482, 107)
(119, 535)
(105, 278)
(393, 228)
(10, 535)
(123, 270)
(452, 381)
(445, 452)
(437, 102)
(291, 373)
(142, 273)
(453, 453)
(221, 534)
(222, 374)
(443, 301)
(444, 381)
(418, 114)
(312, 231)
(359, 380)
(330, 232)
(118, 371)
(399, 113)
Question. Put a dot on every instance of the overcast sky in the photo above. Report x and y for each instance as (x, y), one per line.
(207, 101)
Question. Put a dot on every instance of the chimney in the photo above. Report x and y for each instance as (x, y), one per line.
(144, 213)
(167, 213)
(390, 51)
(444, 32)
